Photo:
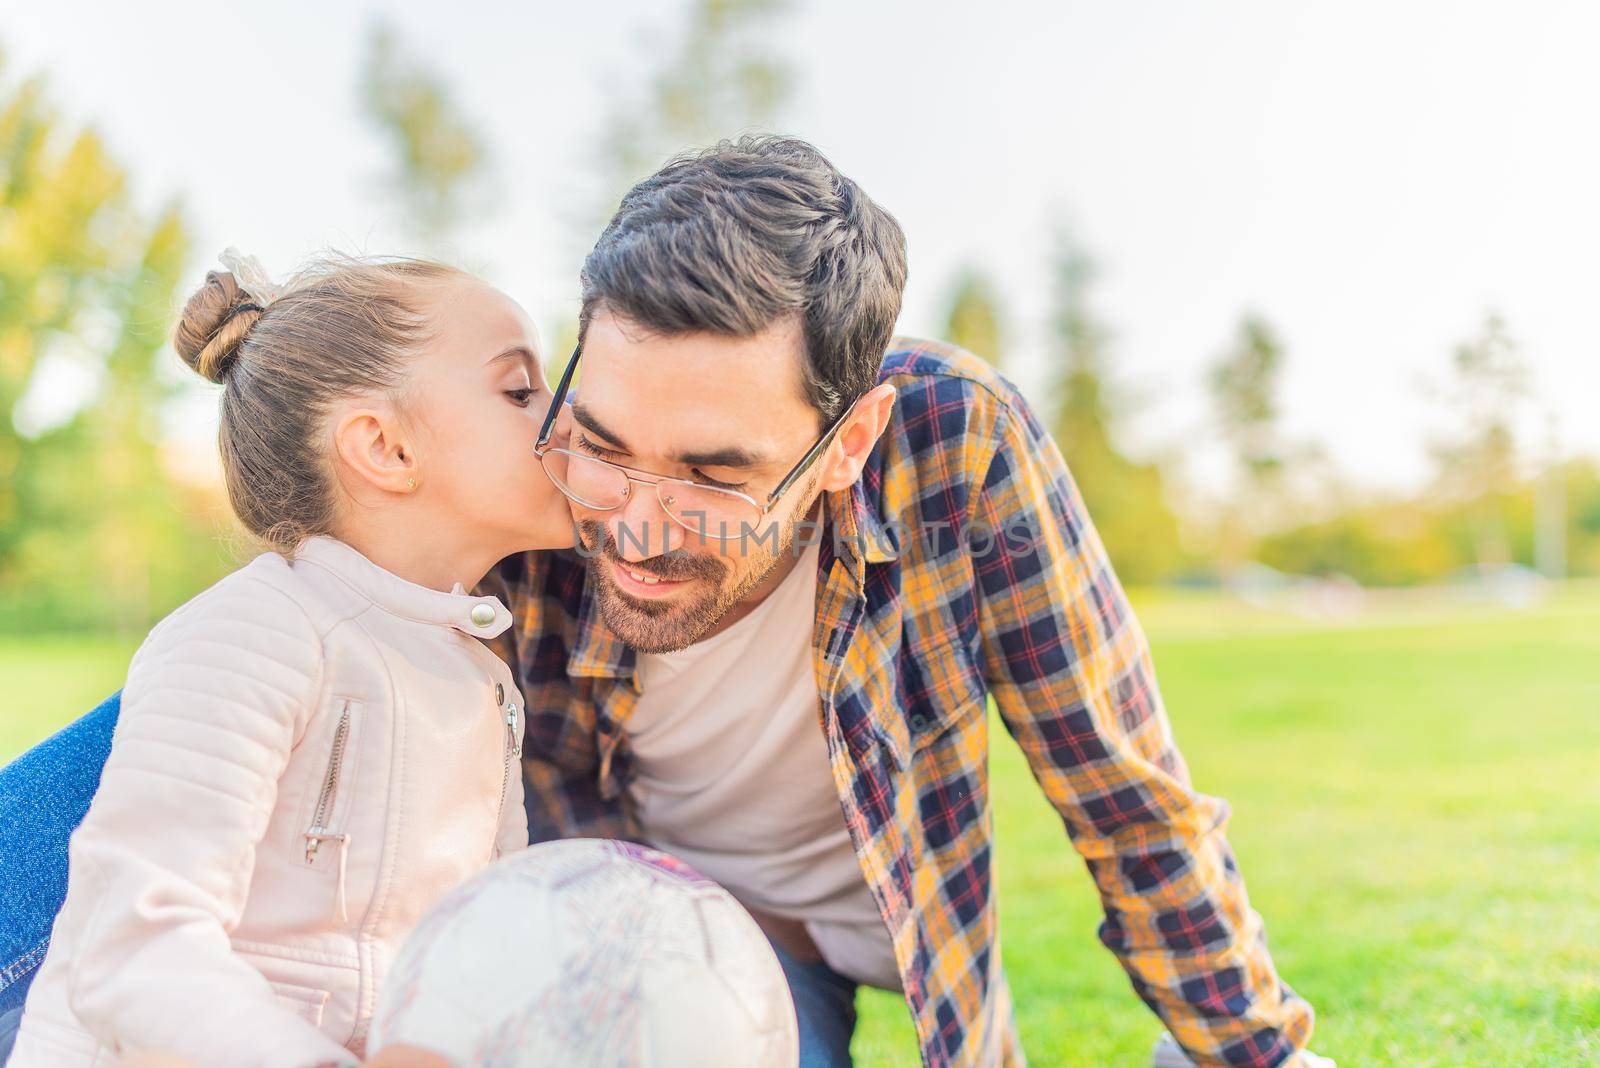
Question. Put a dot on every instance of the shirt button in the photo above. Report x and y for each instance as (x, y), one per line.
(918, 721)
(482, 614)
(499, 694)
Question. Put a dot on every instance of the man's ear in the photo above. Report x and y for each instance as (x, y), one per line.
(372, 447)
(853, 444)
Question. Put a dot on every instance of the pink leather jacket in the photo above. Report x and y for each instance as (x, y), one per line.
(309, 754)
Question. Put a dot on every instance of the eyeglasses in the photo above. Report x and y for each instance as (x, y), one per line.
(707, 511)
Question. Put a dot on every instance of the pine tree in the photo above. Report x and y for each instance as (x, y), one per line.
(974, 320)
(1126, 499)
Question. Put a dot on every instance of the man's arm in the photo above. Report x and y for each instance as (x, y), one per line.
(1071, 673)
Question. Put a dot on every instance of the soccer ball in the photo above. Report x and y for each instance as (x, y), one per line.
(587, 953)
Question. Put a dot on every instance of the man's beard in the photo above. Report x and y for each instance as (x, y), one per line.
(651, 626)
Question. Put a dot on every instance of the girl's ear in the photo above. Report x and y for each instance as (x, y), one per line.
(847, 457)
(371, 445)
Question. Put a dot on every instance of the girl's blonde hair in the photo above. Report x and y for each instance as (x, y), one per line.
(342, 327)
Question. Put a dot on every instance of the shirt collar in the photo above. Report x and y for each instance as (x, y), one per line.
(596, 651)
(405, 599)
(856, 528)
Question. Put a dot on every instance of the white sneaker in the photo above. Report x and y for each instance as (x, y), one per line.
(1168, 1054)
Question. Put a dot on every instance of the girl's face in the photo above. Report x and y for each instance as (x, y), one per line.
(475, 401)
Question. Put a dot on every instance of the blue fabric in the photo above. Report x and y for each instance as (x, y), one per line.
(10, 1024)
(825, 1008)
(43, 796)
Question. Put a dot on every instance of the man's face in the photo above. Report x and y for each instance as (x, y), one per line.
(728, 412)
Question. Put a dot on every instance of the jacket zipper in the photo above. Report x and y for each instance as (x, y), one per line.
(330, 786)
(510, 754)
(319, 832)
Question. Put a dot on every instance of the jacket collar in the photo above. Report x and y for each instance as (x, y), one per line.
(399, 597)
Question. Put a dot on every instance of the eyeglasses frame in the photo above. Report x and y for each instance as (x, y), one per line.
(541, 448)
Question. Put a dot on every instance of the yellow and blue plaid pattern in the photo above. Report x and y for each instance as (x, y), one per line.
(961, 566)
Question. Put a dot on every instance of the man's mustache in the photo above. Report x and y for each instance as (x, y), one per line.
(674, 566)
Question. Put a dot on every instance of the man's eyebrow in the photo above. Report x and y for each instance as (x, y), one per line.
(586, 419)
(728, 456)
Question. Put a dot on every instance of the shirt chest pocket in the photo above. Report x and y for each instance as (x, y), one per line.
(939, 692)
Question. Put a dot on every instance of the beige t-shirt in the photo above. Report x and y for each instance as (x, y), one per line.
(732, 775)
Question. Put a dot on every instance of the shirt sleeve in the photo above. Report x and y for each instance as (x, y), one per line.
(160, 867)
(1071, 675)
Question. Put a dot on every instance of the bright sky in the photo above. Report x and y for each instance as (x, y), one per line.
(1370, 176)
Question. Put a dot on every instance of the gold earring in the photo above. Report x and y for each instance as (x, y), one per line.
(411, 484)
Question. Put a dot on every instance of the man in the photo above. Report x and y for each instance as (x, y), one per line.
(808, 555)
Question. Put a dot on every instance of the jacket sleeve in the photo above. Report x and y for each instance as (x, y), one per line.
(1071, 675)
(216, 698)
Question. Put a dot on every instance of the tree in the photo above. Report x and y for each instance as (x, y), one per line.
(1488, 388)
(1243, 382)
(1126, 499)
(974, 320)
(438, 159)
(52, 189)
(90, 524)
(721, 78)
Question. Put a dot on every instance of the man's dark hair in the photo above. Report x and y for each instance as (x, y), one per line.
(731, 239)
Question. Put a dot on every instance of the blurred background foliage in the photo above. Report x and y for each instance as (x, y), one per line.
(103, 526)
(95, 530)
(1339, 658)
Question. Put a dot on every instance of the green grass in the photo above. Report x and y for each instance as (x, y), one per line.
(45, 681)
(1416, 802)
(1417, 813)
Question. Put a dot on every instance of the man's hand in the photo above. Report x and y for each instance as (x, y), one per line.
(401, 1055)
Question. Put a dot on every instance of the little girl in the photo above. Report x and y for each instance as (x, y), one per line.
(314, 750)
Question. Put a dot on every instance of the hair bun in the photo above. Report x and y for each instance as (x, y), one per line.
(215, 322)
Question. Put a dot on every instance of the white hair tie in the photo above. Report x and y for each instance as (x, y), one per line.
(251, 276)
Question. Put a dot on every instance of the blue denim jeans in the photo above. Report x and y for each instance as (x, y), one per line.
(825, 1008)
(43, 796)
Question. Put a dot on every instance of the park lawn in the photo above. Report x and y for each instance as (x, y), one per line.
(1415, 809)
(45, 681)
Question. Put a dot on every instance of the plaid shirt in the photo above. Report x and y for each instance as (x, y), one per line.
(961, 566)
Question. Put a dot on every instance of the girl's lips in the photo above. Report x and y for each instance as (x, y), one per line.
(633, 586)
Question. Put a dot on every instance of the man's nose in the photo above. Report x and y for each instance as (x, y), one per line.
(641, 528)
